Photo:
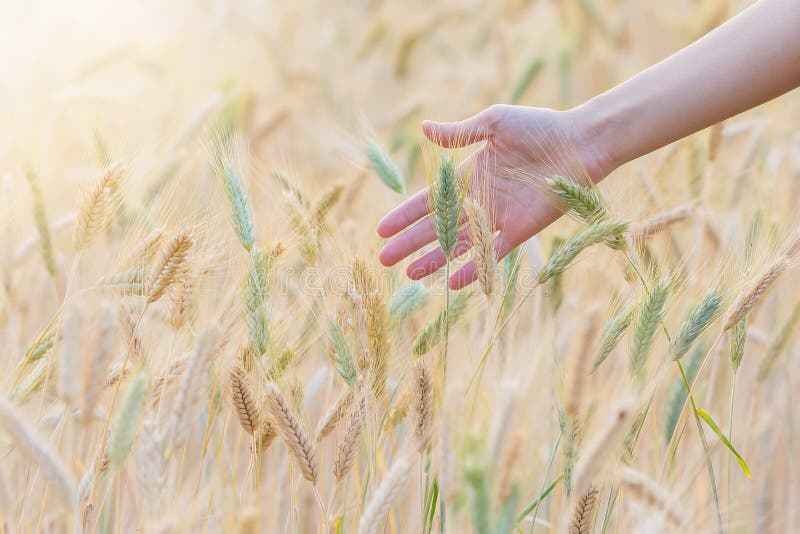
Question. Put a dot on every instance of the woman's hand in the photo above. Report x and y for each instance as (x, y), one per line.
(522, 147)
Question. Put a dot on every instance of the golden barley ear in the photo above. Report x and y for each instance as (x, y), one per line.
(484, 254)
(423, 405)
(335, 414)
(581, 522)
(243, 401)
(294, 435)
(170, 266)
(96, 207)
(347, 447)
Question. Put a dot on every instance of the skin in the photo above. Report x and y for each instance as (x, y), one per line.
(749, 60)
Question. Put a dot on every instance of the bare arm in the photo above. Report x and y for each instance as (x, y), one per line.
(752, 58)
(747, 61)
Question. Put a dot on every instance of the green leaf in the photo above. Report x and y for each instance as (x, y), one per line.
(528, 509)
(710, 422)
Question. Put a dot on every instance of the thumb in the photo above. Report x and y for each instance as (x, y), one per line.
(459, 133)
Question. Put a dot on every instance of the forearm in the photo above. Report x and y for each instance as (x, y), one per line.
(747, 61)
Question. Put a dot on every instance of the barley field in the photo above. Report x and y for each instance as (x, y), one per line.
(197, 334)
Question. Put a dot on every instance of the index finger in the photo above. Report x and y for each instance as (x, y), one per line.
(405, 214)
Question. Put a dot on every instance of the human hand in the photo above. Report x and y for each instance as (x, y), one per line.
(523, 146)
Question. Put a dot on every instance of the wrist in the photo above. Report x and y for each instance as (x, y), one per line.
(598, 133)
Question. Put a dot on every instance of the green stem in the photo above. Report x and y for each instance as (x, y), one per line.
(709, 465)
(730, 438)
(446, 320)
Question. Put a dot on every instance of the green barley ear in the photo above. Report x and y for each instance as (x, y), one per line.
(230, 178)
(432, 331)
(678, 396)
(342, 353)
(39, 347)
(695, 323)
(42, 226)
(446, 205)
(127, 424)
(738, 339)
(778, 344)
(569, 250)
(644, 330)
(406, 300)
(32, 382)
(279, 365)
(612, 333)
(583, 201)
(385, 167)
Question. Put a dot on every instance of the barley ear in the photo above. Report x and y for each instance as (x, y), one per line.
(581, 522)
(243, 401)
(335, 414)
(446, 200)
(484, 256)
(695, 324)
(347, 447)
(753, 292)
(53, 468)
(95, 208)
(294, 435)
(385, 168)
(170, 265)
(644, 330)
(377, 508)
(125, 428)
(42, 226)
(423, 405)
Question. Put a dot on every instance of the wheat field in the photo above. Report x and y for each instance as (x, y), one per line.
(197, 334)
